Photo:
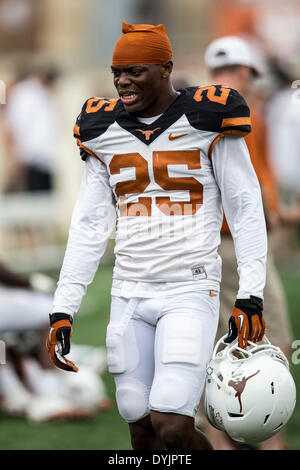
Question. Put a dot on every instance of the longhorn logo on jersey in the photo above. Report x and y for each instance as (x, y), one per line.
(148, 134)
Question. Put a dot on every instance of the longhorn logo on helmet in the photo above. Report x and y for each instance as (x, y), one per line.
(239, 387)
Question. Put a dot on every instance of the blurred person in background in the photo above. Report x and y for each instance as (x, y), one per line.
(30, 385)
(283, 118)
(31, 122)
(157, 153)
(283, 121)
(232, 62)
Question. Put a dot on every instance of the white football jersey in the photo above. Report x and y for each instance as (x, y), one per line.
(168, 202)
(162, 180)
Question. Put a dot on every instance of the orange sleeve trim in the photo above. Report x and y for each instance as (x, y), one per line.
(216, 139)
(239, 121)
(236, 132)
(76, 129)
(88, 150)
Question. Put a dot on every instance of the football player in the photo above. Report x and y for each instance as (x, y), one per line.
(232, 62)
(165, 162)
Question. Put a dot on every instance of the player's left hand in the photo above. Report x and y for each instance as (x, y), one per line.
(58, 340)
(246, 322)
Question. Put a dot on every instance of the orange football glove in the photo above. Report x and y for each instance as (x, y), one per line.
(246, 322)
(58, 340)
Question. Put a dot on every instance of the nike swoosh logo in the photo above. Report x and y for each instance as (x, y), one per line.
(50, 333)
(63, 340)
(173, 137)
(242, 321)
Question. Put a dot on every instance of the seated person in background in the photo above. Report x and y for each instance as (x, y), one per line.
(30, 385)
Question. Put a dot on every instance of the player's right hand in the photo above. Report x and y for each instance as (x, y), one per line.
(58, 340)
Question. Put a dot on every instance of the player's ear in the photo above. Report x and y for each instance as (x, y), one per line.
(166, 69)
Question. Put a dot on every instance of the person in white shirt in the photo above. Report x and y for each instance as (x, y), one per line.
(31, 128)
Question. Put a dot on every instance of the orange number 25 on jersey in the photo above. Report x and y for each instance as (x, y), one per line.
(161, 160)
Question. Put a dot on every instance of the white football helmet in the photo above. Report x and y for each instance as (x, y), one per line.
(250, 393)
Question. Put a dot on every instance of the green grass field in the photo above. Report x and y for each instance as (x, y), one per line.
(107, 430)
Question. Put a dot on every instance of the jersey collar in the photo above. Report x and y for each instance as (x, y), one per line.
(147, 133)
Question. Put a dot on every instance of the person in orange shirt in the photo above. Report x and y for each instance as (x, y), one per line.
(232, 63)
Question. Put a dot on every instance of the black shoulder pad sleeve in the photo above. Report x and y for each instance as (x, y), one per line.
(96, 116)
(218, 109)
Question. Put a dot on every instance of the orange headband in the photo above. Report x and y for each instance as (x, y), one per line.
(142, 44)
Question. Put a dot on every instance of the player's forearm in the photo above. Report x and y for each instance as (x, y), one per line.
(242, 202)
(80, 264)
(250, 241)
(252, 275)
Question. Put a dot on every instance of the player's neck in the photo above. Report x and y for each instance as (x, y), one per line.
(160, 105)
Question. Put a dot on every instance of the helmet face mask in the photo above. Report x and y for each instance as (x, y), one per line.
(250, 394)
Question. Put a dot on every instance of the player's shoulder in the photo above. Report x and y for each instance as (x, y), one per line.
(217, 108)
(96, 115)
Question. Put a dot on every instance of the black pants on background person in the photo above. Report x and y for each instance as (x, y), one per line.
(38, 180)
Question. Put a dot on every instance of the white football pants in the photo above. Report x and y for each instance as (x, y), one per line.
(158, 350)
